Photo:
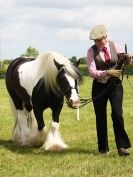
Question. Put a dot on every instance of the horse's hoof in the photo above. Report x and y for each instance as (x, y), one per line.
(56, 148)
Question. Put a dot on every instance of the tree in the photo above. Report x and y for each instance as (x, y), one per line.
(83, 60)
(73, 59)
(30, 52)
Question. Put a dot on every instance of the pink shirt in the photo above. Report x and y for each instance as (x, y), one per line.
(93, 72)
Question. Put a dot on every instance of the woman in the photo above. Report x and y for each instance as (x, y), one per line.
(102, 58)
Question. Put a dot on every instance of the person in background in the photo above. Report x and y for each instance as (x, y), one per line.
(102, 58)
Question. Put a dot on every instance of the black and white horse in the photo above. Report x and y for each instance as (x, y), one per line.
(35, 85)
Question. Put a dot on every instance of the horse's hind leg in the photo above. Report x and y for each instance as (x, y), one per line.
(19, 118)
(53, 141)
(32, 136)
(25, 127)
(21, 125)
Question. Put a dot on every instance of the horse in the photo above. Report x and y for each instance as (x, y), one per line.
(35, 84)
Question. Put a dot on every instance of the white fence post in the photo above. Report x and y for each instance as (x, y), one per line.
(78, 114)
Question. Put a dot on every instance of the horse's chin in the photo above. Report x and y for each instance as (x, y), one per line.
(74, 105)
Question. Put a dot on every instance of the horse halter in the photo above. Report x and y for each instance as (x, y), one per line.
(71, 88)
(66, 88)
(62, 73)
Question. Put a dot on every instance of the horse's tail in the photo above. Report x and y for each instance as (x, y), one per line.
(14, 112)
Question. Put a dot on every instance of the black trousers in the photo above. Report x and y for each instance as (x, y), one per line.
(112, 91)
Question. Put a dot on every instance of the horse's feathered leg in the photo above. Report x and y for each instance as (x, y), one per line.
(40, 126)
(31, 120)
(53, 141)
(20, 126)
(26, 132)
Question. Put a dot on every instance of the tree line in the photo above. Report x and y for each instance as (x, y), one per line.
(31, 52)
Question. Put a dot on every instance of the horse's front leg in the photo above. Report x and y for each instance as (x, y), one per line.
(53, 141)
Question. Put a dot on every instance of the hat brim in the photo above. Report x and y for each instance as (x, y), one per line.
(98, 37)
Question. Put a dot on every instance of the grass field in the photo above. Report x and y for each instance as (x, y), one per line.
(82, 158)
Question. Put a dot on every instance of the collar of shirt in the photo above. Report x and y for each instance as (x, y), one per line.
(106, 45)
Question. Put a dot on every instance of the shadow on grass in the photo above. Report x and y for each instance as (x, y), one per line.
(10, 145)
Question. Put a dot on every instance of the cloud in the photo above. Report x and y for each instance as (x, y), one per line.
(73, 34)
(54, 24)
(72, 4)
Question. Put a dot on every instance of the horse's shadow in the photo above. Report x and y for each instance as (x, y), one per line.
(11, 146)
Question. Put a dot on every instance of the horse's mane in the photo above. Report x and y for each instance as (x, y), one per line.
(51, 71)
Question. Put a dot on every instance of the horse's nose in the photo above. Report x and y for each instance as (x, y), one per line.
(75, 103)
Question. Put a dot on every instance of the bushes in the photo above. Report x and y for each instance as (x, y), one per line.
(84, 70)
(7, 62)
(129, 70)
(2, 73)
(82, 67)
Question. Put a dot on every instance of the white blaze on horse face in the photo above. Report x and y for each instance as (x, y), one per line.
(74, 96)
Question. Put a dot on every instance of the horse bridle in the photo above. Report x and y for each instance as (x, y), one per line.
(70, 87)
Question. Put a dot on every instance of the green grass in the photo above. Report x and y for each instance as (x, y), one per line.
(81, 159)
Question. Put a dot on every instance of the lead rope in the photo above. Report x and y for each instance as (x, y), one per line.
(85, 101)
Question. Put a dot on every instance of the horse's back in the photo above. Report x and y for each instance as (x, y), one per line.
(12, 69)
(16, 63)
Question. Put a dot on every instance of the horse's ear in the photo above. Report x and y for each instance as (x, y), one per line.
(77, 63)
(58, 65)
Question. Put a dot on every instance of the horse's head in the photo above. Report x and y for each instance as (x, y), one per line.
(68, 83)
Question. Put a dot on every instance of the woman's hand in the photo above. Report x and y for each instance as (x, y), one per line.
(114, 72)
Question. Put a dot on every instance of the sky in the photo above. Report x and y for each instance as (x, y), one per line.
(62, 25)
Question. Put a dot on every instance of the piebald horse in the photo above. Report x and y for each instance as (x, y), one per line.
(35, 85)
